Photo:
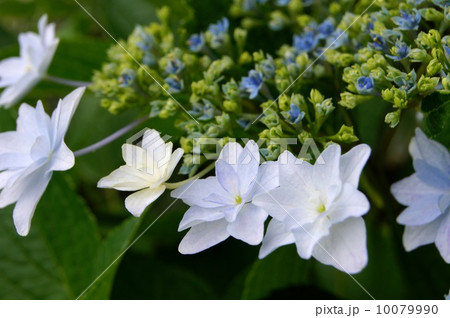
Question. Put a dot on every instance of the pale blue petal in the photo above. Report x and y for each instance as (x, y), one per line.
(249, 224)
(276, 235)
(203, 236)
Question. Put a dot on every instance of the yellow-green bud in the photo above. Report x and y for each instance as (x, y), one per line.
(245, 58)
(431, 14)
(433, 67)
(419, 55)
(240, 36)
(345, 134)
(393, 118)
(426, 84)
(316, 97)
(231, 106)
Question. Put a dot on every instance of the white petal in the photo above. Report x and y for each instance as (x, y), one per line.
(430, 151)
(231, 153)
(12, 141)
(352, 163)
(11, 70)
(443, 238)
(196, 215)
(62, 159)
(31, 50)
(174, 159)
(444, 203)
(33, 121)
(432, 175)
(294, 172)
(267, 180)
(327, 171)
(26, 205)
(8, 177)
(14, 93)
(227, 177)
(63, 114)
(195, 192)
(138, 201)
(126, 178)
(411, 189)
(249, 224)
(203, 236)
(308, 235)
(14, 160)
(276, 236)
(14, 190)
(345, 246)
(415, 236)
(350, 203)
(420, 212)
(281, 202)
(247, 168)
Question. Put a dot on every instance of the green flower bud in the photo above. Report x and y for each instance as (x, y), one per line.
(270, 118)
(231, 90)
(319, 70)
(284, 102)
(205, 62)
(258, 56)
(446, 83)
(186, 144)
(245, 58)
(163, 15)
(345, 135)
(303, 20)
(427, 84)
(249, 23)
(378, 74)
(419, 55)
(240, 36)
(223, 121)
(352, 73)
(276, 132)
(271, 153)
(335, 8)
(393, 118)
(349, 100)
(363, 55)
(433, 67)
(429, 40)
(218, 67)
(316, 97)
(189, 59)
(278, 20)
(169, 109)
(232, 107)
(388, 95)
(431, 14)
(304, 136)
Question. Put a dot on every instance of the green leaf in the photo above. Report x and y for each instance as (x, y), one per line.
(53, 262)
(280, 269)
(63, 254)
(108, 259)
(436, 123)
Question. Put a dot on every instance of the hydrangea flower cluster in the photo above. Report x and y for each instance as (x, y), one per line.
(290, 107)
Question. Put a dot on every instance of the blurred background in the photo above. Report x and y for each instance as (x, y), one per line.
(79, 230)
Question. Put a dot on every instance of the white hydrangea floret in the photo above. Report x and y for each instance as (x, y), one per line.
(221, 206)
(29, 155)
(426, 193)
(18, 75)
(147, 168)
(318, 207)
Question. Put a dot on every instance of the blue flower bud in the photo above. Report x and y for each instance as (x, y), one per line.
(267, 67)
(305, 42)
(399, 51)
(295, 114)
(252, 83)
(407, 21)
(174, 66)
(175, 84)
(379, 43)
(365, 85)
(149, 59)
(218, 32)
(325, 29)
(337, 39)
(202, 111)
(196, 42)
(127, 78)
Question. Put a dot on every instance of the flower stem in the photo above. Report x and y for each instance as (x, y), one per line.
(110, 138)
(175, 185)
(64, 81)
